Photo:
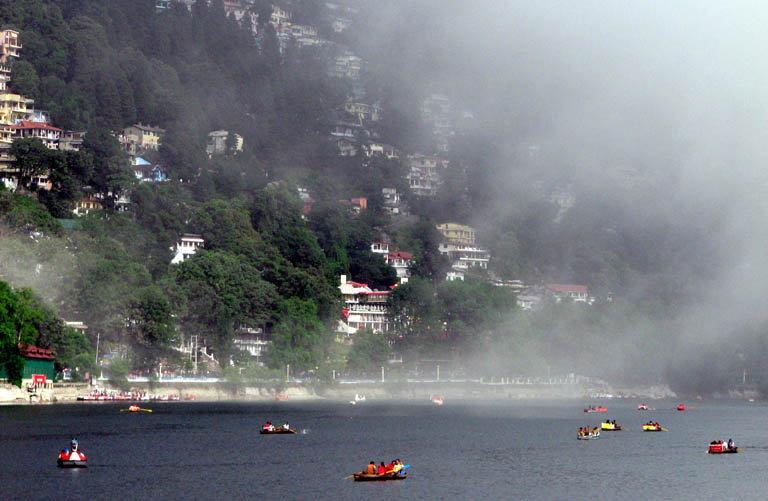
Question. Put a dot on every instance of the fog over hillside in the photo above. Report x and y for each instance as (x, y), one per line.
(651, 113)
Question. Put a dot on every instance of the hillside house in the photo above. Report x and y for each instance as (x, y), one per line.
(362, 111)
(71, 140)
(86, 205)
(143, 137)
(186, 247)
(576, 293)
(401, 262)
(364, 307)
(459, 245)
(217, 143)
(424, 174)
(252, 341)
(47, 134)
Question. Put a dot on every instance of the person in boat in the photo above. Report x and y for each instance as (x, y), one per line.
(731, 445)
(286, 426)
(73, 445)
(269, 427)
(370, 469)
(595, 431)
(581, 431)
(382, 469)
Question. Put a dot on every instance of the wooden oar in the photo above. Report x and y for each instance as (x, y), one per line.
(626, 428)
(351, 476)
(663, 429)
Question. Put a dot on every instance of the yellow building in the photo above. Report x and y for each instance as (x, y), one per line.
(457, 233)
(144, 136)
(14, 107)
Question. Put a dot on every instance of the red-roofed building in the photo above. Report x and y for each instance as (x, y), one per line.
(401, 262)
(363, 308)
(577, 293)
(37, 362)
(48, 134)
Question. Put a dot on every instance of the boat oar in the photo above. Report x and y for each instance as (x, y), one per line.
(663, 429)
(350, 476)
(626, 428)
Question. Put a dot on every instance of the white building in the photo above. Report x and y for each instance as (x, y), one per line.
(186, 247)
(251, 341)
(364, 307)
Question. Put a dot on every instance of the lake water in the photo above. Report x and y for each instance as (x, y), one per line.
(462, 450)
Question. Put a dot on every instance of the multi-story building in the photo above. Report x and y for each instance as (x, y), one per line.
(186, 247)
(380, 248)
(459, 245)
(144, 137)
(424, 174)
(9, 45)
(217, 142)
(47, 134)
(363, 111)
(15, 108)
(391, 200)
(459, 234)
(364, 307)
(252, 341)
(401, 262)
(71, 140)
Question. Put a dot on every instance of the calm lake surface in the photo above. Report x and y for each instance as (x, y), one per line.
(462, 450)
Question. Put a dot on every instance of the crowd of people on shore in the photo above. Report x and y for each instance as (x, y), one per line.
(395, 467)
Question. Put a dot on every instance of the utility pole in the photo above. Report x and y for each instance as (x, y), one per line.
(287, 372)
(195, 354)
(98, 336)
(438, 372)
(382, 373)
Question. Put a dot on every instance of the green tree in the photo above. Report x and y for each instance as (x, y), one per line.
(112, 174)
(296, 337)
(152, 332)
(369, 351)
(32, 159)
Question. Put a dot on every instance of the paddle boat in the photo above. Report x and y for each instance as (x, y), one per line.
(591, 436)
(281, 398)
(362, 477)
(642, 407)
(652, 427)
(270, 429)
(593, 408)
(610, 427)
(71, 458)
(134, 408)
(436, 400)
(681, 407)
(720, 447)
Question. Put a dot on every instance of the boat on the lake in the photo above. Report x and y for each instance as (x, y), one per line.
(642, 407)
(281, 398)
(436, 400)
(610, 427)
(681, 407)
(721, 448)
(591, 436)
(278, 431)
(594, 408)
(362, 477)
(358, 399)
(71, 458)
(652, 427)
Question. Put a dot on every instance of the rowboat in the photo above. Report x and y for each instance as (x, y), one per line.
(73, 459)
(650, 427)
(722, 448)
(592, 408)
(642, 407)
(681, 407)
(281, 398)
(610, 427)
(588, 437)
(277, 431)
(362, 477)
(436, 400)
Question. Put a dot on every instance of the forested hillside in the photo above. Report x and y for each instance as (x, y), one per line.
(269, 265)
